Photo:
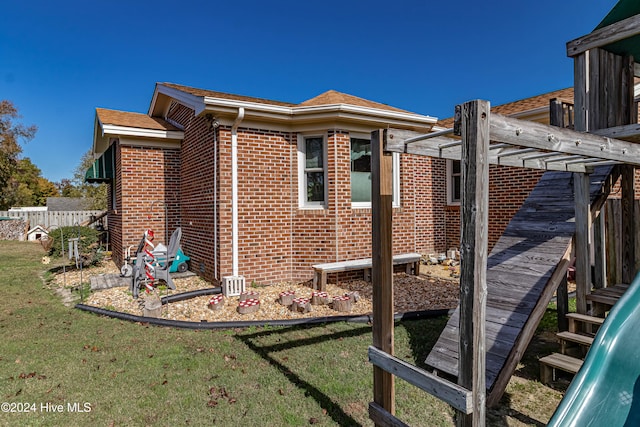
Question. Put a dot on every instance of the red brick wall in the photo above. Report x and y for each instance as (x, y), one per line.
(278, 241)
(197, 174)
(508, 189)
(147, 180)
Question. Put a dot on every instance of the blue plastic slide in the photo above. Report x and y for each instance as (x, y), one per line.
(606, 390)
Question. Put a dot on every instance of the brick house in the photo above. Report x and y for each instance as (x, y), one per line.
(265, 189)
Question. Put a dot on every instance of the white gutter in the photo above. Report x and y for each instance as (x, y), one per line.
(295, 111)
(234, 190)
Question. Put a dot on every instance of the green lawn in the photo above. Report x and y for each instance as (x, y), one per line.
(57, 361)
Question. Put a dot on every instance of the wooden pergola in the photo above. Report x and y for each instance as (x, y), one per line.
(604, 109)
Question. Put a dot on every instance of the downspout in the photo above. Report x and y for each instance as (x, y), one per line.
(335, 192)
(215, 202)
(234, 190)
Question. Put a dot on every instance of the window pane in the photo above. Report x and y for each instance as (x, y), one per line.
(457, 193)
(455, 166)
(314, 153)
(315, 186)
(360, 170)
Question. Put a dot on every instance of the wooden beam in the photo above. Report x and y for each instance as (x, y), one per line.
(524, 134)
(629, 132)
(581, 183)
(473, 254)
(453, 394)
(499, 154)
(382, 266)
(382, 417)
(600, 257)
(628, 224)
(562, 304)
(546, 137)
(599, 38)
(580, 85)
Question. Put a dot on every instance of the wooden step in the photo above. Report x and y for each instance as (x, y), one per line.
(567, 337)
(550, 363)
(575, 318)
(602, 299)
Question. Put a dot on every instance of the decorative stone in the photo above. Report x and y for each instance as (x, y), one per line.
(249, 295)
(301, 305)
(355, 296)
(248, 306)
(152, 307)
(286, 298)
(319, 298)
(216, 302)
(342, 303)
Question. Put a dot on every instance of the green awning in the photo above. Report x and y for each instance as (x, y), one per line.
(622, 10)
(102, 169)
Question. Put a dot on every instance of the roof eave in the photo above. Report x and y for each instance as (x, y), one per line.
(320, 112)
(159, 109)
(116, 130)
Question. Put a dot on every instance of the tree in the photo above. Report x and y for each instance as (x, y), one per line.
(67, 188)
(27, 187)
(11, 134)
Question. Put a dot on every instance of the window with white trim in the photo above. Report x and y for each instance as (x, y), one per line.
(312, 164)
(361, 173)
(454, 182)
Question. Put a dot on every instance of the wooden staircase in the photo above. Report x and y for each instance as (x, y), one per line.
(575, 343)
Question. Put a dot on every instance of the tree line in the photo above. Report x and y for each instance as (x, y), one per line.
(22, 183)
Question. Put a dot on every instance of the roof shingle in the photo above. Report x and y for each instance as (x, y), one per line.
(522, 105)
(134, 120)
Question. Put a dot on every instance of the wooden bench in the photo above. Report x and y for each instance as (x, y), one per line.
(411, 260)
(550, 363)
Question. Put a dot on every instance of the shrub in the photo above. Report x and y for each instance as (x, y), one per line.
(88, 243)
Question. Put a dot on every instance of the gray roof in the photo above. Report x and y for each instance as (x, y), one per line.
(68, 204)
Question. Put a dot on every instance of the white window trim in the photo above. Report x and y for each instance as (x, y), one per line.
(396, 176)
(450, 200)
(302, 176)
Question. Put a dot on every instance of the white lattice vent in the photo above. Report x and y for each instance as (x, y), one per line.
(233, 286)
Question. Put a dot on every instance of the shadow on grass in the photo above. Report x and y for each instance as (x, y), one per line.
(423, 335)
(333, 409)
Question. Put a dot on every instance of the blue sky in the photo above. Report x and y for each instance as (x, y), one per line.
(59, 60)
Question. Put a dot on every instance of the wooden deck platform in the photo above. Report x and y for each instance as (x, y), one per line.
(520, 269)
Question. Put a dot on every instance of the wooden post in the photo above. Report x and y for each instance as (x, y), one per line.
(600, 257)
(628, 224)
(382, 266)
(581, 183)
(562, 304)
(556, 118)
(473, 255)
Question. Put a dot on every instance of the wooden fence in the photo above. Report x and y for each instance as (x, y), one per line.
(49, 219)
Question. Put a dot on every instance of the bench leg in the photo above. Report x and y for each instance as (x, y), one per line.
(323, 281)
(367, 274)
(315, 280)
(416, 268)
(546, 374)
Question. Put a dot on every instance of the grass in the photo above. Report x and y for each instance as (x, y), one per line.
(134, 374)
